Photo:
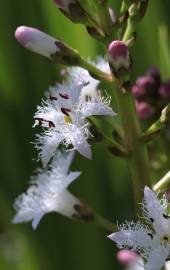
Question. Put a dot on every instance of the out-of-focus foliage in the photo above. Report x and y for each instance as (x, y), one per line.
(58, 242)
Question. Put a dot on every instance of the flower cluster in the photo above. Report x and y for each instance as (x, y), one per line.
(151, 241)
(64, 117)
(151, 94)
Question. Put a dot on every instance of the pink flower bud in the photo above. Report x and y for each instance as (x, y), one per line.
(164, 90)
(36, 41)
(126, 257)
(119, 57)
(144, 110)
(145, 87)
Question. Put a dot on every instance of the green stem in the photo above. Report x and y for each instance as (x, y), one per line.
(163, 183)
(104, 223)
(95, 72)
(130, 30)
(137, 158)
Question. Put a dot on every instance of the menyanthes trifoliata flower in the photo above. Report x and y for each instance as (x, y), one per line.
(48, 193)
(64, 117)
(152, 241)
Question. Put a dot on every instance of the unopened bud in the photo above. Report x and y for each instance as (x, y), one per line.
(154, 72)
(144, 110)
(164, 90)
(64, 4)
(119, 59)
(36, 40)
(145, 87)
(126, 257)
(45, 45)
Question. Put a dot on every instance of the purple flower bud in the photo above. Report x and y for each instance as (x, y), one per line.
(164, 90)
(145, 82)
(119, 57)
(144, 110)
(154, 72)
(138, 92)
(36, 41)
(126, 257)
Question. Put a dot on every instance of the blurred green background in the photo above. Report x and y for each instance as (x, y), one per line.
(59, 243)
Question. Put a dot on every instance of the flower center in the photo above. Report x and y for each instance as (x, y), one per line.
(67, 119)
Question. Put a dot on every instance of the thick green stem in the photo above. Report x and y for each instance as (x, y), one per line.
(137, 158)
(130, 30)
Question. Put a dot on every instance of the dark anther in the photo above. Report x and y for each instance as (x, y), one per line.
(166, 216)
(65, 111)
(65, 96)
(166, 238)
(151, 236)
(52, 98)
(40, 120)
(51, 124)
(152, 220)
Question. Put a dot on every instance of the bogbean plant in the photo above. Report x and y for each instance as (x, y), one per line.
(71, 117)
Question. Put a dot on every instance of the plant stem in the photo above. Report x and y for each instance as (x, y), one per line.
(130, 30)
(137, 158)
(95, 72)
(104, 223)
(162, 183)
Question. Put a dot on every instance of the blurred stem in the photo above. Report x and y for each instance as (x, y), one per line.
(162, 183)
(137, 157)
(104, 223)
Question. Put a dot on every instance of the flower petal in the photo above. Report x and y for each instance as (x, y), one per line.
(47, 143)
(157, 258)
(98, 106)
(77, 136)
(154, 211)
(132, 235)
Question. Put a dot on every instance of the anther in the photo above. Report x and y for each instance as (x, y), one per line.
(151, 236)
(51, 124)
(52, 98)
(65, 111)
(65, 96)
(152, 220)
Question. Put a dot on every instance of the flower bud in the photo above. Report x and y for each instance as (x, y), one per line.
(164, 90)
(36, 40)
(144, 88)
(45, 45)
(126, 257)
(154, 72)
(144, 110)
(119, 59)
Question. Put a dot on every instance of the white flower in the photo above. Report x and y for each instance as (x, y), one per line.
(81, 74)
(64, 115)
(152, 241)
(48, 193)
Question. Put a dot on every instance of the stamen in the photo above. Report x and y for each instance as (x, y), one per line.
(41, 120)
(152, 220)
(51, 124)
(65, 111)
(151, 236)
(52, 98)
(65, 96)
